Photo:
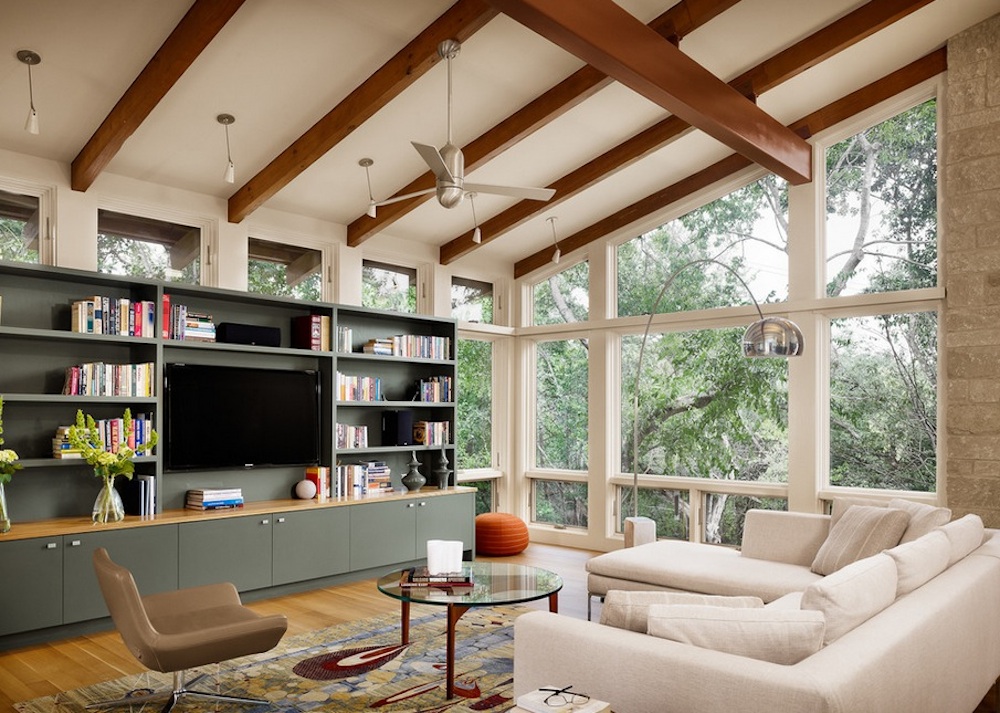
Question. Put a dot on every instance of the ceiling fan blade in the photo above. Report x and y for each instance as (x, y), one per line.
(397, 199)
(534, 194)
(432, 157)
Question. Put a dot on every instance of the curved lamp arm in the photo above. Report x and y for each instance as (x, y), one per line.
(766, 333)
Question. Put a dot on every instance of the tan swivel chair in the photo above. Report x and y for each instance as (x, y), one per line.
(175, 631)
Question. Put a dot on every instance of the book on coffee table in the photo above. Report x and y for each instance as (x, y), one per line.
(420, 577)
(535, 702)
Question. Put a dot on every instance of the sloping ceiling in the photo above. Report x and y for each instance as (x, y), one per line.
(316, 85)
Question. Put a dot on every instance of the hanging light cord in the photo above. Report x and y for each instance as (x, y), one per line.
(31, 91)
(229, 154)
(368, 177)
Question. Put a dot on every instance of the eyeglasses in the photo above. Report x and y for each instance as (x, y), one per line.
(560, 697)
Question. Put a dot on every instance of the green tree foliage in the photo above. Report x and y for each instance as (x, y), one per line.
(12, 243)
(561, 405)
(564, 297)
(388, 289)
(118, 255)
(265, 277)
(475, 405)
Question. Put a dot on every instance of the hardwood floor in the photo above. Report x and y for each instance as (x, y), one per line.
(46, 669)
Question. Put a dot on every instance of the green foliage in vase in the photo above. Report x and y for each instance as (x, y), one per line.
(86, 436)
(8, 458)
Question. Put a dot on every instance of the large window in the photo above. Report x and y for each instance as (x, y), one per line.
(561, 405)
(385, 286)
(275, 268)
(471, 300)
(19, 227)
(146, 247)
(564, 297)
(475, 404)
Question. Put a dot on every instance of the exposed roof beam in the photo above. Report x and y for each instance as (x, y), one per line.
(841, 34)
(197, 28)
(674, 24)
(605, 36)
(460, 21)
(889, 86)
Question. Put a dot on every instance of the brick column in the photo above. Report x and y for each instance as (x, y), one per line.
(970, 222)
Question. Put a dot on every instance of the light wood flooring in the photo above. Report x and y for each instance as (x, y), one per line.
(46, 669)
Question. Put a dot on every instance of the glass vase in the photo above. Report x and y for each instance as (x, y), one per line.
(4, 513)
(108, 507)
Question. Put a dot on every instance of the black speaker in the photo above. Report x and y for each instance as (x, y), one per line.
(397, 428)
(233, 333)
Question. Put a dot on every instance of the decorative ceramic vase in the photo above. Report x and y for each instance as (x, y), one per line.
(4, 515)
(108, 507)
(441, 472)
(414, 479)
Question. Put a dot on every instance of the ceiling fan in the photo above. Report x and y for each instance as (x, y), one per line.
(448, 165)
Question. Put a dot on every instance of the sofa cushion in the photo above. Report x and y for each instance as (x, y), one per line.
(964, 534)
(861, 532)
(780, 636)
(853, 594)
(693, 567)
(923, 517)
(838, 506)
(629, 610)
(919, 561)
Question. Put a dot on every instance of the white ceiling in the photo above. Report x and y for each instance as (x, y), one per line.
(281, 65)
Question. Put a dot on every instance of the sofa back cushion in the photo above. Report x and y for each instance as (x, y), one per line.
(630, 609)
(919, 561)
(964, 534)
(860, 532)
(777, 635)
(782, 536)
(923, 518)
(853, 594)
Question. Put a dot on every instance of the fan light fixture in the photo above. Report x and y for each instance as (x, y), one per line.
(557, 253)
(226, 120)
(766, 337)
(30, 58)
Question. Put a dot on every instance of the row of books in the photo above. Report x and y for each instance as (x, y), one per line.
(311, 331)
(320, 476)
(345, 340)
(416, 577)
(111, 431)
(409, 345)
(101, 379)
(435, 389)
(139, 495)
(186, 325)
(114, 315)
(432, 433)
(351, 436)
(214, 498)
(358, 388)
(359, 479)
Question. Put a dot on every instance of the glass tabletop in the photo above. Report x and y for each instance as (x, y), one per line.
(492, 583)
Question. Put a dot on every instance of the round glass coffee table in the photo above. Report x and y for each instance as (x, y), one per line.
(493, 583)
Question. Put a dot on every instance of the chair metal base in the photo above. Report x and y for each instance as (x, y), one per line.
(172, 697)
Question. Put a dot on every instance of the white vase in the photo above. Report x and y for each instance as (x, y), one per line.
(4, 514)
(108, 507)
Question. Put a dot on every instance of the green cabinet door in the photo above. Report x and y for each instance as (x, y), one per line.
(31, 592)
(382, 533)
(308, 545)
(446, 518)
(234, 549)
(150, 553)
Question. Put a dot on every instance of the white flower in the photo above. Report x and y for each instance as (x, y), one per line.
(7, 456)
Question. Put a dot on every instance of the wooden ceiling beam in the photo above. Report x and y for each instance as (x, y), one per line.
(677, 22)
(768, 74)
(868, 96)
(607, 37)
(193, 33)
(460, 21)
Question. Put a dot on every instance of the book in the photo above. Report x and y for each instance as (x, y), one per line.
(535, 702)
(414, 577)
(307, 332)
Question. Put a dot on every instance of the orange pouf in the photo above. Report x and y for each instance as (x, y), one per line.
(500, 533)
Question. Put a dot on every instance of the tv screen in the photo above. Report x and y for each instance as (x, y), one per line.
(237, 417)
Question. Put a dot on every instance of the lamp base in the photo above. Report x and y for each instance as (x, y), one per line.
(639, 531)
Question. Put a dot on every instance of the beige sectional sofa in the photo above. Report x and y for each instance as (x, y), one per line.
(913, 626)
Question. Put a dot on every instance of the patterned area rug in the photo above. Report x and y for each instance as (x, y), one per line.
(351, 667)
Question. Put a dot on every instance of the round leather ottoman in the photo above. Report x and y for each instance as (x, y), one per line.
(500, 533)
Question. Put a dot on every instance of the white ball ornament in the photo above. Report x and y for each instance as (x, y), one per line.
(305, 489)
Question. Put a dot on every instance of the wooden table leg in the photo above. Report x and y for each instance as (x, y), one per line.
(455, 612)
(404, 621)
(554, 602)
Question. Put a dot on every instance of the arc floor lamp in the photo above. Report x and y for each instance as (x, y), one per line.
(766, 337)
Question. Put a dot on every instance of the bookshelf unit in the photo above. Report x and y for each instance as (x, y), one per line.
(50, 500)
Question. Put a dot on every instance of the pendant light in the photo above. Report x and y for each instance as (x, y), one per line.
(230, 175)
(477, 234)
(557, 253)
(30, 58)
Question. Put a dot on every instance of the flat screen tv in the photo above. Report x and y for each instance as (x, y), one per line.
(239, 417)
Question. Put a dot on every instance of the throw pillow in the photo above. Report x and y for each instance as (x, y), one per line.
(965, 534)
(852, 595)
(919, 561)
(839, 506)
(923, 518)
(629, 610)
(780, 636)
(861, 532)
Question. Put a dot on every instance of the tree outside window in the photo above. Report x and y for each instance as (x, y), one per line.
(560, 502)
(561, 404)
(474, 440)
(564, 297)
(471, 300)
(19, 227)
(146, 247)
(385, 286)
(275, 268)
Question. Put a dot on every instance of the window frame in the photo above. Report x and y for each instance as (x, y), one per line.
(45, 194)
(327, 267)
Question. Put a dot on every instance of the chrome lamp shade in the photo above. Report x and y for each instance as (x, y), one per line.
(772, 337)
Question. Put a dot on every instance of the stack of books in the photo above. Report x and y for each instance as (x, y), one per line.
(214, 498)
(61, 447)
(189, 326)
(383, 346)
(416, 577)
(351, 436)
(535, 701)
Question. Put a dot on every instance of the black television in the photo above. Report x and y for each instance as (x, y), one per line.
(240, 417)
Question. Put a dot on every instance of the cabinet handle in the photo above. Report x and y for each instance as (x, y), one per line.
(50, 545)
(74, 543)
(265, 521)
(423, 504)
(410, 505)
(281, 519)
